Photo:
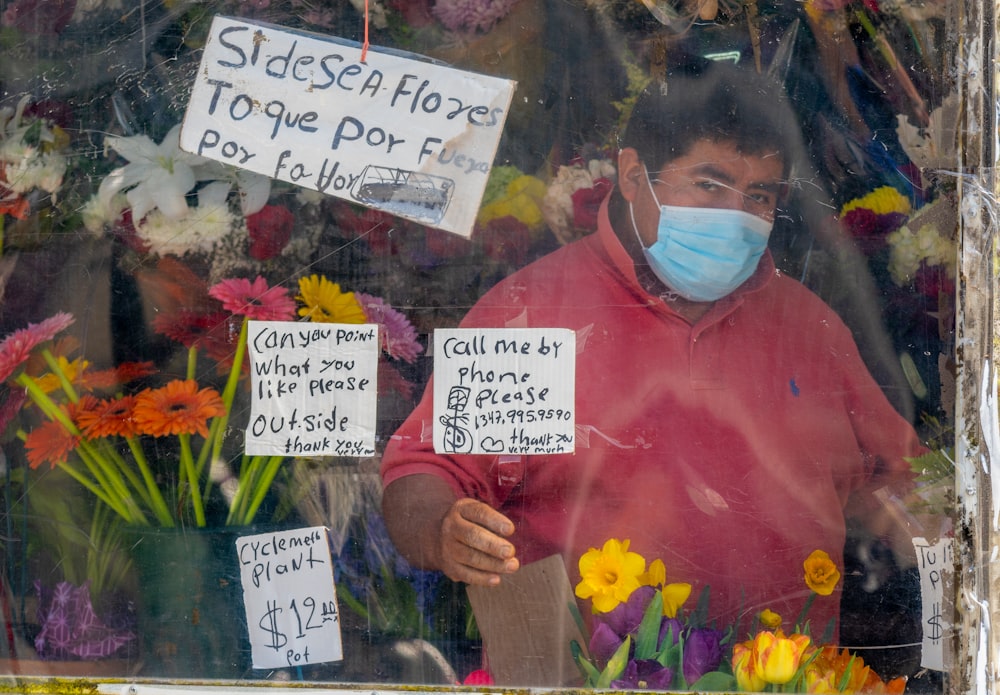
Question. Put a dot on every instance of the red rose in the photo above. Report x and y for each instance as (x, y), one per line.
(270, 230)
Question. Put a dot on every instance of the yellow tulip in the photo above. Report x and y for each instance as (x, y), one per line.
(747, 678)
(776, 657)
(770, 619)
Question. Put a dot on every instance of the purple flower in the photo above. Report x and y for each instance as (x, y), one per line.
(672, 627)
(702, 653)
(626, 617)
(645, 674)
(604, 642)
(399, 339)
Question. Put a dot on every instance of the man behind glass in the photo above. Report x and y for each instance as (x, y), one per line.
(725, 421)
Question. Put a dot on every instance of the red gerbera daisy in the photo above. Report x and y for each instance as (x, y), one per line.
(17, 347)
(50, 443)
(108, 418)
(107, 379)
(177, 408)
(255, 300)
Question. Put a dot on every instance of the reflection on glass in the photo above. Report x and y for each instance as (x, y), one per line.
(734, 208)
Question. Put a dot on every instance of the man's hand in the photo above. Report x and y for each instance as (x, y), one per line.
(473, 547)
(464, 538)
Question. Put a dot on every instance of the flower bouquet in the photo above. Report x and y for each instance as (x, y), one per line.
(574, 196)
(32, 162)
(643, 638)
(113, 442)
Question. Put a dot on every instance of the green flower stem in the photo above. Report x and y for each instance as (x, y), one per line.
(105, 474)
(261, 486)
(110, 480)
(229, 392)
(800, 624)
(217, 430)
(192, 362)
(157, 503)
(109, 454)
(97, 491)
(187, 462)
(63, 379)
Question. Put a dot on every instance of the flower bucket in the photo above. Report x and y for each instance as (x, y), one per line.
(190, 614)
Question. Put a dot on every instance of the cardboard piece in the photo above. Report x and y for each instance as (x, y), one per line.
(527, 626)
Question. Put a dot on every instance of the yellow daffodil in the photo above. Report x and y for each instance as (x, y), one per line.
(655, 575)
(610, 575)
(822, 574)
(325, 303)
(674, 596)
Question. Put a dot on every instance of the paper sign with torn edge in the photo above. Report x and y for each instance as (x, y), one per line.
(396, 133)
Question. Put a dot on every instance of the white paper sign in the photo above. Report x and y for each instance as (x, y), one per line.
(935, 562)
(314, 389)
(410, 137)
(504, 390)
(290, 598)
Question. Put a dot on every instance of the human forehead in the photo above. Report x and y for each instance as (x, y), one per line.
(725, 159)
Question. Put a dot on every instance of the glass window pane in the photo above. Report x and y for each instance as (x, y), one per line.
(684, 273)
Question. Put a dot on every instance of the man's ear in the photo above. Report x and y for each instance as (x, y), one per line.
(631, 173)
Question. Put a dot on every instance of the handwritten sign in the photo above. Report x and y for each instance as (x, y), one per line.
(504, 390)
(290, 598)
(314, 389)
(936, 564)
(413, 138)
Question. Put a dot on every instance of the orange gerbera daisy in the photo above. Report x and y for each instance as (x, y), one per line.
(177, 408)
(108, 418)
(49, 443)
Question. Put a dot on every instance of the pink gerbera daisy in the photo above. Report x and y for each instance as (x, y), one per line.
(399, 337)
(16, 348)
(255, 300)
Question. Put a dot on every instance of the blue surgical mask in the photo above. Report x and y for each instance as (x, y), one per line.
(703, 254)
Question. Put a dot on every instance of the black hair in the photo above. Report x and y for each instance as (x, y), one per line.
(706, 100)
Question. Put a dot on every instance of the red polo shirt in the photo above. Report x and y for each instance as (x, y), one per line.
(730, 448)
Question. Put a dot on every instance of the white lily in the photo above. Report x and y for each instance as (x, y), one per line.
(156, 177)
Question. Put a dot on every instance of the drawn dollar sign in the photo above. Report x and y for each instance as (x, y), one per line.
(935, 622)
(278, 638)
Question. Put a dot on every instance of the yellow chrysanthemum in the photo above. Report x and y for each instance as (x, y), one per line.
(610, 575)
(523, 200)
(881, 201)
(822, 574)
(323, 302)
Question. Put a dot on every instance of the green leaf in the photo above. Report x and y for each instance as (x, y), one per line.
(699, 616)
(616, 665)
(716, 682)
(647, 639)
(587, 669)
